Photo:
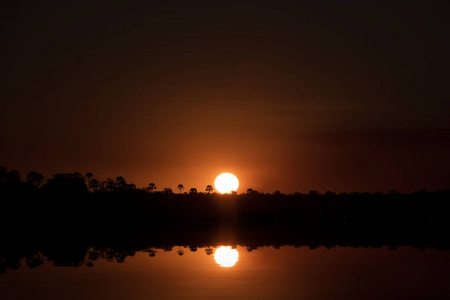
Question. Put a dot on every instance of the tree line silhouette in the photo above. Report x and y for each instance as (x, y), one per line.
(73, 207)
(76, 182)
(250, 208)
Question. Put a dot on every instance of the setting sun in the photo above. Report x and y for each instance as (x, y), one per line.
(226, 257)
(226, 183)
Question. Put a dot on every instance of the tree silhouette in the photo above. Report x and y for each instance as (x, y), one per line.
(13, 178)
(34, 178)
(180, 187)
(109, 184)
(313, 193)
(120, 183)
(193, 191)
(88, 176)
(2, 172)
(209, 188)
(73, 182)
(151, 186)
(94, 184)
(167, 191)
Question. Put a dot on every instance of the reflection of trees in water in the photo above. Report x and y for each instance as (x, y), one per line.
(77, 257)
(117, 255)
(9, 262)
(167, 248)
(151, 252)
(65, 257)
(34, 260)
(251, 248)
(209, 250)
(70, 256)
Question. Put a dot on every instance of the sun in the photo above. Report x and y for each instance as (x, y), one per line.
(226, 183)
(226, 257)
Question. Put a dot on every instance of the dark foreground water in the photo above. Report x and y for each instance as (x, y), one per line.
(264, 273)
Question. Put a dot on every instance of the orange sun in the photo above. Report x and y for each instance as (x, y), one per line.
(226, 183)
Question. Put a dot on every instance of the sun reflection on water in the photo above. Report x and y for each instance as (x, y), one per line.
(226, 257)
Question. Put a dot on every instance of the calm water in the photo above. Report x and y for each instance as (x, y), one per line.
(264, 273)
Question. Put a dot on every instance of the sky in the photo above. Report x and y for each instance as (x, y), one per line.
(287, 95)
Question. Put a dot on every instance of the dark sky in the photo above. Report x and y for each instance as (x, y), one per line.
(287, 95)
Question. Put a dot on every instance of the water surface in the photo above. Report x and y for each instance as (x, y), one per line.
(265, 273)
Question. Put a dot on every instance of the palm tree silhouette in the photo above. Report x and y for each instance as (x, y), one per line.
(151, 186)
(180, 187)
(209, 188)
(193, 191)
